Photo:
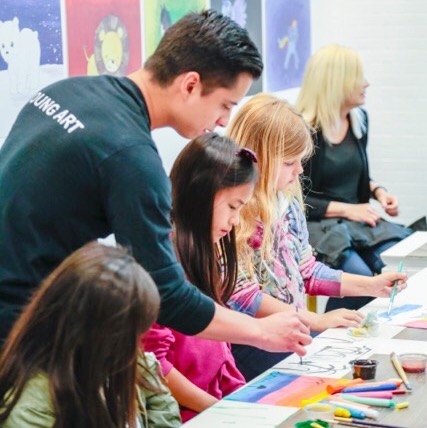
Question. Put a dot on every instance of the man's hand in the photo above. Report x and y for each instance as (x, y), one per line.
(284, 332)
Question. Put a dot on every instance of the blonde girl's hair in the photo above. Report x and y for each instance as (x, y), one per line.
(276, 132)
(331, 75)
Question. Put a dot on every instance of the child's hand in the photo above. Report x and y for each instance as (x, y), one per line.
(383, 284)
(337, 318)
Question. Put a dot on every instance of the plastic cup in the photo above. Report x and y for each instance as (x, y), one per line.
(319, 411)
(413, 363)
(364, 369)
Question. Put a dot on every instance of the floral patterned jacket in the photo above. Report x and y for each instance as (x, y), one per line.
(292, 270)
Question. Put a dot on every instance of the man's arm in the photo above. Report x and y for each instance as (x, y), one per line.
(136, 191)
(280, 332)
(137, 200)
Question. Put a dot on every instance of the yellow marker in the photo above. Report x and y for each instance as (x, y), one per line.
(402, 405)
(344, 413)
(316, 425)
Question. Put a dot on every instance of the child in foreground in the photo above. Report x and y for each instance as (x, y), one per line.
(72, 359)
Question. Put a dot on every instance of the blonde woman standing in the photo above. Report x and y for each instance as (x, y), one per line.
(346, 231)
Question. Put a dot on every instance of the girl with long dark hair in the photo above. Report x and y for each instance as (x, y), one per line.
(212, 179)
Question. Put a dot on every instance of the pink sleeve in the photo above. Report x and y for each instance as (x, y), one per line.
(321, 280)
(159, 340)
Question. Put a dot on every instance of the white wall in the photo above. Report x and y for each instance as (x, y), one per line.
(392, 39)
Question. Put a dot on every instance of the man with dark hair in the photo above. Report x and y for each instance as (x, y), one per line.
(80, 163)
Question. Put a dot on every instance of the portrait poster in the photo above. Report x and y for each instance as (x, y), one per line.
(103, 37)
(288, 45)
(248, 14)
(160, 15)
(31, 53)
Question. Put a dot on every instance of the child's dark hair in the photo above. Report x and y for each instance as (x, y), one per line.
(81, 329)
(206, 165)
(209, 43)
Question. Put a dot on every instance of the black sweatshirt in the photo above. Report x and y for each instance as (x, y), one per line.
(79, 164)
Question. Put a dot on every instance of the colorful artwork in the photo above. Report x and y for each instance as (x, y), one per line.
(287, 30)
(103, 37)
(160, 15)
(282, 389)
(407, 315)
(247, 14)
(30, 52)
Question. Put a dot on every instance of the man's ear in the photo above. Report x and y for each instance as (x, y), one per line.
(190, 82)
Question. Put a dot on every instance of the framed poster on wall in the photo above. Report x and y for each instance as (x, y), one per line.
(31, 55)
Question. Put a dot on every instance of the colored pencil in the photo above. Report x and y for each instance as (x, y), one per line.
(379, 402)
(386, 386)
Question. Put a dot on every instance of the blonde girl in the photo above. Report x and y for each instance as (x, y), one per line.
(272, 238)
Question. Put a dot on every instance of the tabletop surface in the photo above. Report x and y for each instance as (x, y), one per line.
(342, 348)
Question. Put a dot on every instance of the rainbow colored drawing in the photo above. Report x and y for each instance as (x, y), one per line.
(282, 389)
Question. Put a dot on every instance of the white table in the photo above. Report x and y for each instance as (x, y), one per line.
(391, 338)
(412, 251)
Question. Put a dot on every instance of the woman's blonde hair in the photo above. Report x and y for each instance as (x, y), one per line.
(331, 75)
(276, 132)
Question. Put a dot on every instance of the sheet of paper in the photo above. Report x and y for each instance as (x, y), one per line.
(409, 307)
(400, 346)
(407, 315)
(235, 414)
(328, 355)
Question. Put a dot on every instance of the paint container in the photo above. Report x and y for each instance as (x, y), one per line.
(308, 424)
(364, 369)
(413, 363)
(319, 411)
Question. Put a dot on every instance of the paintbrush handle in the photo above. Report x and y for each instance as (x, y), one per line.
(399, 369)
(394, 288)
(300, 358)
(357, 423)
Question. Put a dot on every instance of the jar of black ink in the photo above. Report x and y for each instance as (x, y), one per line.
(364, 369)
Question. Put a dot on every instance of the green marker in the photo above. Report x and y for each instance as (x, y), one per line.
(393, 291)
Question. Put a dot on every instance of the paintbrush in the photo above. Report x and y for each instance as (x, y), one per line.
(300, 358)
(394, 289)
(399, 369)
(349, 422)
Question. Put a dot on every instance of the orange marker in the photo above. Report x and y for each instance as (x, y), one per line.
(333, 389)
